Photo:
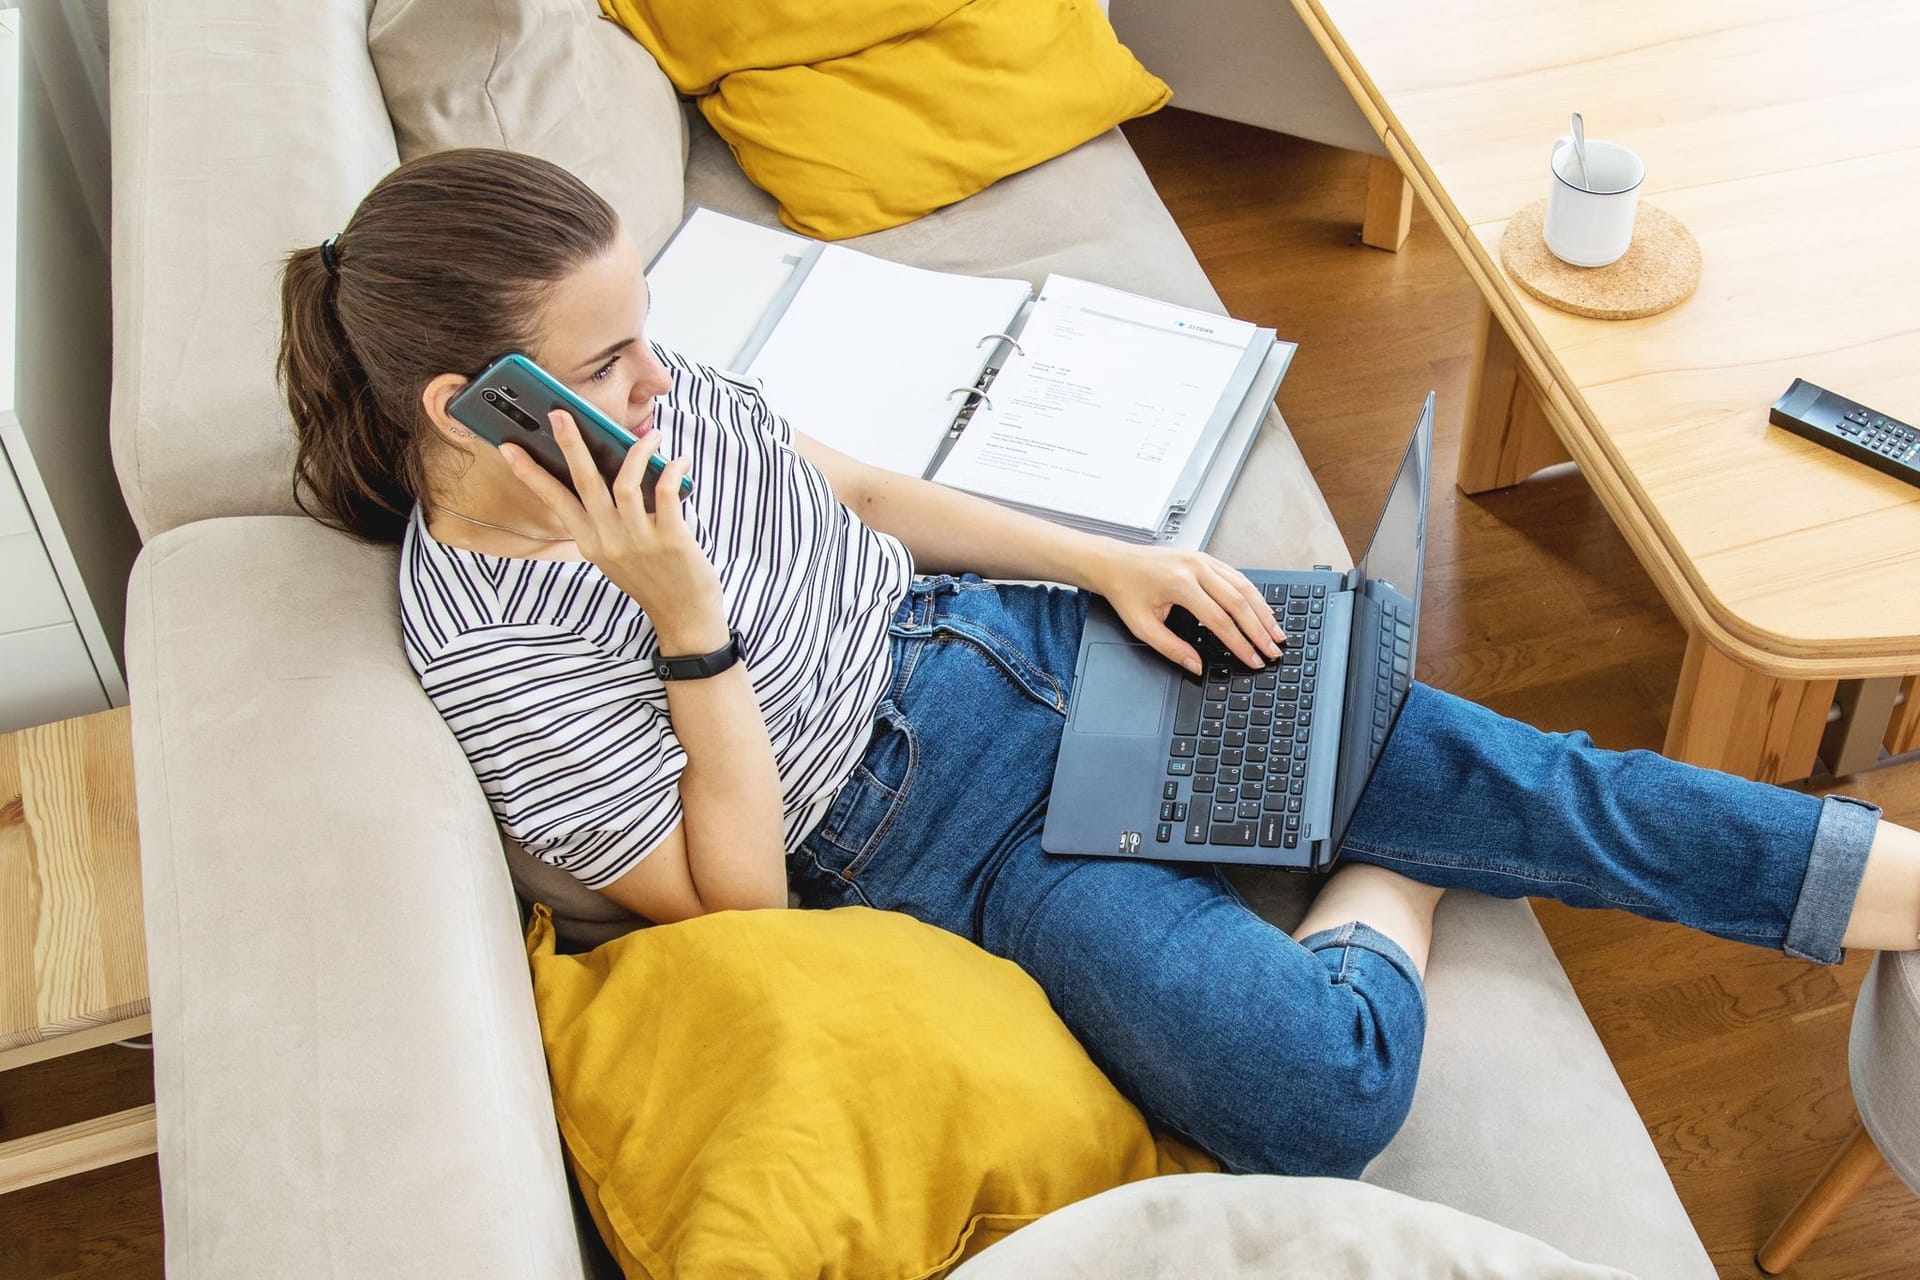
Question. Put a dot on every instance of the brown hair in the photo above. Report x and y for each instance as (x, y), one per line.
(444, 266)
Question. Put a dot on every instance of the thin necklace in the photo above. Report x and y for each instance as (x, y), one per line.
(530, 537)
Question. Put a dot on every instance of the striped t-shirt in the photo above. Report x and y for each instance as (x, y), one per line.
(542, 667)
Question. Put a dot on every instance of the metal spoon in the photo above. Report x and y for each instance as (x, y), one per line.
(1580, 148)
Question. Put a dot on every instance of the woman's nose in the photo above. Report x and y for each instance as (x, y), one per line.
(654, 380)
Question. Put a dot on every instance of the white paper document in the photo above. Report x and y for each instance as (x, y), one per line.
(1098, 413)
(869, 354)
(714, 280)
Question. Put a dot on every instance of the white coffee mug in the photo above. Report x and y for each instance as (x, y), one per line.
(1589, 220)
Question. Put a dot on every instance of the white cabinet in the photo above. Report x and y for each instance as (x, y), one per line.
(66, 544)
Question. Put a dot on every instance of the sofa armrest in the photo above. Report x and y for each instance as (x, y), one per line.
(347, 1065)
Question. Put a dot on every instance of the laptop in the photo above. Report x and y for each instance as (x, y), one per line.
(1234, 764)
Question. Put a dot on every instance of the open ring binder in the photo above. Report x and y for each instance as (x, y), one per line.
(1001, 337)
(971, 391)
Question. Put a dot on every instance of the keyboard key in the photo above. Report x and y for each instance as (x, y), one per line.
(1265, 680)
(1298, 769)
(1166, 810)
(1240, 834)
(1196, 831)
(1182, 748)
(1296, 787)
(1320, 590)
(1209, 747)
(1204, 763)
(1254, 773)
(1237, 738)
(1274, 803)
(1263, 699)
(1163, 832)
(1291, 840)
(1202, 784)
(1237, 720)
(1222, 813)
(1270, 831)
(1179, 768)
(1240, 702)
(1275, 592)
(1262, 717)
(1249, 791)
(1211, 728)
(1293, 804)
(1256, 753)
(1242, 684)
(1298, 591)
(1289, 657)
(1170, 790)
(1219, 671)
(1276, 783)
(1229, 777)
(1231, 759)
(1249, 811)
(1293, 822)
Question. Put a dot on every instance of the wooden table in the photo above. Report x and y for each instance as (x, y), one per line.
(1786, 136)
(73, 954)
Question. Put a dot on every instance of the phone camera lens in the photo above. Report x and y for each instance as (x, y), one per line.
(490, 396)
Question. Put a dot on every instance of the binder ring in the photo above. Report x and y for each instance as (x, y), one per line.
(1000, 337)
(971, 391)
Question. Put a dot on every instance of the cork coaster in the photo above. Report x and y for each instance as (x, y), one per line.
(1660, 270)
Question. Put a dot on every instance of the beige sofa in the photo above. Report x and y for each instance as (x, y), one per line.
(348, 1070)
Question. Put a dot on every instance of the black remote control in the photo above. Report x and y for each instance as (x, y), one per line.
(1848, 427)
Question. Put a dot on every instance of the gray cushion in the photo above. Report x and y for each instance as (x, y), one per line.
(1884, 1060)
(1268, 1228)
(550, 78)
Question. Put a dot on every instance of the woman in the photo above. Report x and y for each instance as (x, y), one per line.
(887, 739)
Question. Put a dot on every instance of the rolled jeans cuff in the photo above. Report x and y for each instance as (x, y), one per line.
(1841, 840)
(1366, 938)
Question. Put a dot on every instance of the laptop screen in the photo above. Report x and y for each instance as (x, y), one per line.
(1386, 613)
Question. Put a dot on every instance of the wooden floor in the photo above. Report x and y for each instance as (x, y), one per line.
(1534, 606)
(1736, 1058)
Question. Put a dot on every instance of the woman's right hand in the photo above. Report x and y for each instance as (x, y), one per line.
(653, 557)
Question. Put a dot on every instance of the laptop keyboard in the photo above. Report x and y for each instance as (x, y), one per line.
(1240, 736)
(1395, 670)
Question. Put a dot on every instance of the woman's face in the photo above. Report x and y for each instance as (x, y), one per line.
(591, 339)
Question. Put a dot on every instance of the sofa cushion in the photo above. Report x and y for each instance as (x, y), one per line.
(1259, 1227)
(821, 1093)
(550, 78)
(1883, 1058)
(863, 117)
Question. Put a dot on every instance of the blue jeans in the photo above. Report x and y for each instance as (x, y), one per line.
(1274, 1055)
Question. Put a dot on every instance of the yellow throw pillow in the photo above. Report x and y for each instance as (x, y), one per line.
(863, 140)
(845, 1093)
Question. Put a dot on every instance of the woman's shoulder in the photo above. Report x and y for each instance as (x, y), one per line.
(453, 599)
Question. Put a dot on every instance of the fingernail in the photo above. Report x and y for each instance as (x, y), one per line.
(1193, 665)
(1279, 633)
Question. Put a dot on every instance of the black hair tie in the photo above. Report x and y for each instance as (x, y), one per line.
(330, 256)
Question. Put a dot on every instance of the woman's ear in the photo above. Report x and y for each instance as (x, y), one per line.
(438, 394)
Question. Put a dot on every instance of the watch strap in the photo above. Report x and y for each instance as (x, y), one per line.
(700, 665)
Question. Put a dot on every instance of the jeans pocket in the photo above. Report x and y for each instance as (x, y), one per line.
(870, 800)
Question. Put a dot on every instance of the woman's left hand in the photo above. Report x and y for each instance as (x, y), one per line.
(1143, 584)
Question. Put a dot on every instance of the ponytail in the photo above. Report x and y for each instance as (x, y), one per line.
(442, 268)
(353, 470)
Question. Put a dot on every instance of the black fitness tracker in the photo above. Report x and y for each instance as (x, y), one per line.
(700, 666)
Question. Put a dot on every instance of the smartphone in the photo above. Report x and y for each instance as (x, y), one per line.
(510, 399)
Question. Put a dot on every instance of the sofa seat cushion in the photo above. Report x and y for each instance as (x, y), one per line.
(822, 1093)
(1260, 1227)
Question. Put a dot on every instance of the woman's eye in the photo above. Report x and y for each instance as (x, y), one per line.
(600, 374)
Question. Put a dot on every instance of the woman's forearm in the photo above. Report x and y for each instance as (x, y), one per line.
(729, 793)
(953, 532)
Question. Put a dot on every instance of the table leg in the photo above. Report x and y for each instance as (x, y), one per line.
(1506, 436)
(1389, 213)
(1735, 719)
(1903, 730)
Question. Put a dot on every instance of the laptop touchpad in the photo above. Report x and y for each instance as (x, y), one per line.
(1124, 690)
